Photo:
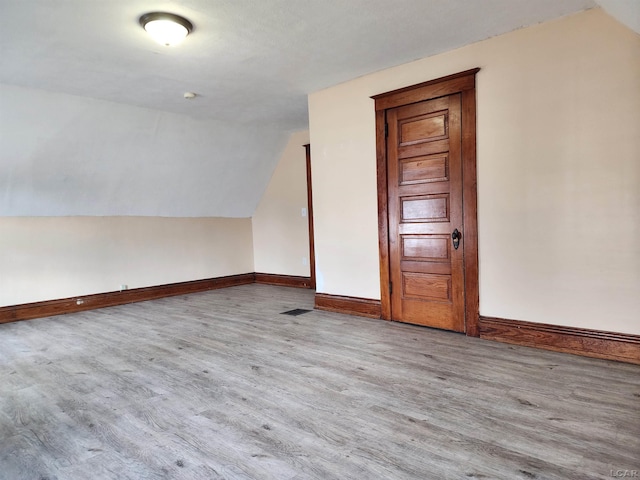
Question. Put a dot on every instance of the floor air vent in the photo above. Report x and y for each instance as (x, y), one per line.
(295, 312)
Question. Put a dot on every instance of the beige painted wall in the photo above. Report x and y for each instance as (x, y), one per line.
(558, 173)
(58, 257)
(280, 232)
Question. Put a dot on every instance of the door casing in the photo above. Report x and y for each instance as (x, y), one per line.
(312, 248)
(463, 83)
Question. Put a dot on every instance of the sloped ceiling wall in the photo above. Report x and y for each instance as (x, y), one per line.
(69, 155)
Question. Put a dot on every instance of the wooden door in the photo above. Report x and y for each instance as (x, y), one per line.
(424, 174)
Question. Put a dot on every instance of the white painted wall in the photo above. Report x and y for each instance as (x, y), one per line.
(558, 173)
(280, 232)
(67, 155)
(51, 258)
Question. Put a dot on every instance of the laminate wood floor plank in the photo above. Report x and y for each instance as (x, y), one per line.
(220, 385)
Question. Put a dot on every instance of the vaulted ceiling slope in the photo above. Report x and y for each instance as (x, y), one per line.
(92, 116)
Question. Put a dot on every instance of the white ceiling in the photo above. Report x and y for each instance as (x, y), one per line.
(252, 64)
(249, 60)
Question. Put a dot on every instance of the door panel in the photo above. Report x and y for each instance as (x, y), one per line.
(426, 286)
(435, 248)
(429, 208)
(423, 128)
(425, 206)
(430, 168)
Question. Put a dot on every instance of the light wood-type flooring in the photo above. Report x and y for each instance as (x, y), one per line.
(221, 385)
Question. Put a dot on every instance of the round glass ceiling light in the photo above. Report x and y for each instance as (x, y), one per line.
(166, 28)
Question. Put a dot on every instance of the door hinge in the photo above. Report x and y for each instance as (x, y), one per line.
(386, 130)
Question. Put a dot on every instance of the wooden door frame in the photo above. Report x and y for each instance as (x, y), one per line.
(312, 249)
(464, 84)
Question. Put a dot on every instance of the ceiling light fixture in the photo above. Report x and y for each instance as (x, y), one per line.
(166, 28)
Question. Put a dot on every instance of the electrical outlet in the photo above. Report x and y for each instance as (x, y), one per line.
(124, 287)
(305, 261)
(303, 212)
